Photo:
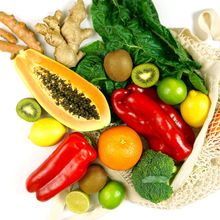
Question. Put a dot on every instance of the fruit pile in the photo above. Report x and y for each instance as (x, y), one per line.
(143, 97)
(162, 111)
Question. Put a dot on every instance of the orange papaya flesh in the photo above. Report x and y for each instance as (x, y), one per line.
(64, 94)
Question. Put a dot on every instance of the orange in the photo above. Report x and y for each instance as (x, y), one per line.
(119, 148)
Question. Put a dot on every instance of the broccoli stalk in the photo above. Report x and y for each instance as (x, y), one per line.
(151, 176)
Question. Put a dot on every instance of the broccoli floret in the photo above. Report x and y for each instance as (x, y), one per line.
(151, 176)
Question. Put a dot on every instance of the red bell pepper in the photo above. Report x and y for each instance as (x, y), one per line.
(169, 109)
(136, 121)
(159, 129)
(65, 166)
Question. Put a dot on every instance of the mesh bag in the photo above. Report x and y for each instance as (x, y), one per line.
(191, 182)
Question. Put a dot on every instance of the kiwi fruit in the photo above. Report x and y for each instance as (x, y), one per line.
(145, 75)
(118, 65)
(29, 109)
(94, 179)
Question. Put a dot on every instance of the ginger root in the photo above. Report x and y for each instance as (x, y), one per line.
(11, 48)
(21, 31)
(8, 36)
(66, 37)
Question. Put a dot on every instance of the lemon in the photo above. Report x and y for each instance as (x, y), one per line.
(46, 132)
(77, 201)
(194, 109)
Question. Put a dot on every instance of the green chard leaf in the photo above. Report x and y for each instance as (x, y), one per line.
(121, 13)
(197, 82)
(96, 48)
(91, 69)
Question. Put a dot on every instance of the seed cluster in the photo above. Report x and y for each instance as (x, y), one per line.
(64, 95)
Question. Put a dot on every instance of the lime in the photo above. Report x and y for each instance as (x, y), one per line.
(46, 132)
(111, 195)
(171, 90)
(77, 201)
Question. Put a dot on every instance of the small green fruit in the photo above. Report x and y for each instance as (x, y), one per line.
(172, 91)
(111, 195)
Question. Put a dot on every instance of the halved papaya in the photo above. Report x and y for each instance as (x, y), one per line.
(64, 94)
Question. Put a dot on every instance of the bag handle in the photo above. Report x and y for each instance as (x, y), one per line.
(207, 25)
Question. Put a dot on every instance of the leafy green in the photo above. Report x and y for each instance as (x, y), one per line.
(197, 82)
(148, 12)
(151, 176)
(95, 48)
(92, 70)
(134, 25)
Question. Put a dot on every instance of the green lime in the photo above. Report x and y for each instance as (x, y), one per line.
(111, 195)
(77, 201)
(172, 91)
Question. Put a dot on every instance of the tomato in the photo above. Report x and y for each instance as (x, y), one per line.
(171, 90)
(111, 195)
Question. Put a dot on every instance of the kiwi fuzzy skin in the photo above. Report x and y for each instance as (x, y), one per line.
(118, 65)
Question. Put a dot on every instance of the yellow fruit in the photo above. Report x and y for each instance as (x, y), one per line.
(46, 132)
(195, 108)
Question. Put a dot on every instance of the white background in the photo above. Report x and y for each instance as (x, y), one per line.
(18, 157)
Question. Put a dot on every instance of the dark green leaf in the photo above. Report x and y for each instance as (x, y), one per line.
(91, 68)
(148, 12)
(122, 13)
(119, 85)
(96, 48)
(109, 87)
(197, 82)
(149, 7)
